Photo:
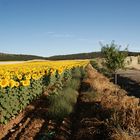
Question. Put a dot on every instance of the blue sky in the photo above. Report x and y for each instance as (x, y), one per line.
(50, 27)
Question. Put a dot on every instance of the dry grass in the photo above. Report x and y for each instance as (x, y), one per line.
(126, 109)
(119, 134)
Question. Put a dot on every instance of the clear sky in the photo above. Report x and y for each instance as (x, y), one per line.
(50, 27)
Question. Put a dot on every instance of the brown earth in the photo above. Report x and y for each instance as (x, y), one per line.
(28, 123)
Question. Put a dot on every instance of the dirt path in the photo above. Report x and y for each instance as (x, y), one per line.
(130, 81)
(132, 74)
(88, 120)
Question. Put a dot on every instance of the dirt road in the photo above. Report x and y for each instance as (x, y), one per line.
(130, 81)
(132, 74)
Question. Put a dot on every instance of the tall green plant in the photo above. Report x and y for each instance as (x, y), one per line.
(114, 58)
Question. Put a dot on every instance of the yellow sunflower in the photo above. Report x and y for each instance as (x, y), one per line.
(4, 83)
(12, 83)
(25, 83)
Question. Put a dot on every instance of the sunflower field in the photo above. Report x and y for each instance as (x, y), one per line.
(24, 82)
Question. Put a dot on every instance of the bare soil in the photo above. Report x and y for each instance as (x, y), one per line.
(29, 124)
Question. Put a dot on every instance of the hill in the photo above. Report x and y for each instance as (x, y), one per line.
(84, 56)
(18, 57)
(76, 56)
(22, 57)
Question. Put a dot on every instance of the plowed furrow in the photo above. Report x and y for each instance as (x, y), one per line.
(31, 131)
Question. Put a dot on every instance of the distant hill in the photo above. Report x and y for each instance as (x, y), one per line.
(22, 57)
(76, 56)
(134, 53)
(84, 56)
(18, 57)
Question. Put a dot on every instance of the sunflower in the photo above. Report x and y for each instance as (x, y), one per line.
(28, 77)
(25, 83)
(4, 83)
(17, 84)
(19, 76)
(60, 71)
(35, 76)
(12, 83)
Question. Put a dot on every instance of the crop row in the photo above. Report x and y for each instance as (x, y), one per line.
(22, 83)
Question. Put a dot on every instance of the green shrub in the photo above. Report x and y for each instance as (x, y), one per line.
(59, 107)
(70, 95)
(76, 72)
(83, 73)
(94, 64)
(74, 83)
(61, 104)
(100, 69)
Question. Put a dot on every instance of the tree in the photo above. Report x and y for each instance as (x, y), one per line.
(114, 58)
